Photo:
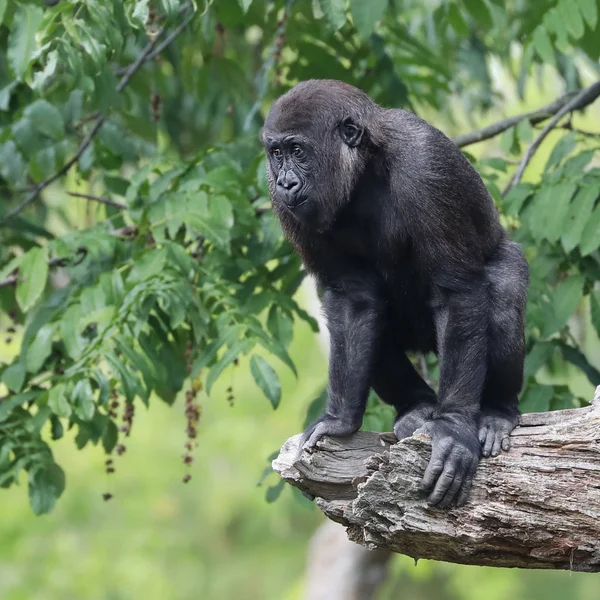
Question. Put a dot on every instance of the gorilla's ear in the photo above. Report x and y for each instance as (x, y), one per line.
(351, 132)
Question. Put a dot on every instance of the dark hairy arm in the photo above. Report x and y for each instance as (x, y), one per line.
(353, 310)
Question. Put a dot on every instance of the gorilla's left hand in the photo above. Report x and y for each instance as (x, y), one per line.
(327, 425)
(454, 458)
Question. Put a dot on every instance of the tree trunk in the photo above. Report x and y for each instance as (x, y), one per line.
(338, 569)
(536, 506)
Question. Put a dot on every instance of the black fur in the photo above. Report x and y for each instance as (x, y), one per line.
(402, 234)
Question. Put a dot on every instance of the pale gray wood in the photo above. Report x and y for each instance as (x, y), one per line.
(536, 506)
(338, 569)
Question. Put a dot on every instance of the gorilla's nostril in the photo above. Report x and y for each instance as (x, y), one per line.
(288, 180)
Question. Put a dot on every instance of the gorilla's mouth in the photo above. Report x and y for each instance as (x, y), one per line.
(296, 203)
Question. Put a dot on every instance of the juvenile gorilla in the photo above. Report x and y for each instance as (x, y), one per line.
(403, 236)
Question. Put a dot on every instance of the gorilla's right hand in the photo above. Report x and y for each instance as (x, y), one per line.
(327, 424)
(454, 458)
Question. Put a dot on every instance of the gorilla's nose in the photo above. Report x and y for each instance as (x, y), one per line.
(289, 181)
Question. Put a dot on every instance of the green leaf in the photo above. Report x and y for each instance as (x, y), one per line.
(14, 377)
(58, 402)
(39, 349)
(564, 302)
(576, 357)
(40, 78)
(14, 401)
(22, 42)
(516, 196)
(525, 131)
(561, 150)
(508, 141)
(556, 213)
(456, 21)
(554, 22)
(83, 400)
(366, 14)
(543, 45)
(335, 13)
(595, 307)
(539, 355)
(266, 378)
(6, 92)
(538, 211)
(572, 18)
(110, 437)
(590, 237)
(589, 10)
(280, 325)
(232, 353)
(12, 165)
(70, 331)
(245, 5)
(33, 274)
(578, 216)
(3, 5)
(45, 487)
(479, 11)
(536, 399)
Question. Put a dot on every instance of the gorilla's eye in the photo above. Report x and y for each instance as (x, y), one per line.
(297, 151)
(350, 130)
(276, 152)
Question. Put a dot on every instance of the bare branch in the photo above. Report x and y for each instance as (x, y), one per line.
(10, 280)
(98, 122)
(99, 199)
(583, 99)
(534, 117)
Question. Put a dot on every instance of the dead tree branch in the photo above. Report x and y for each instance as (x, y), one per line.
(534, 117)
(536, 507)
(100, 200)
(581, 100)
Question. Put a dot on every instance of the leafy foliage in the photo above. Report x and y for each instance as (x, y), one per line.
(173, 267)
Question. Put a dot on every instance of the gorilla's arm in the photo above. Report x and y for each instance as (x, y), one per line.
(461, 323)
(353, 310)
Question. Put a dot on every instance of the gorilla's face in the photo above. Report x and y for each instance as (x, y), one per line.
(291, 172)
(313, 146)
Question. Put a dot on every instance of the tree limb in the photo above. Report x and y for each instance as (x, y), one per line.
(534, 117)
(581, 100)
(536, 506)
(98, 122)
(99, 199)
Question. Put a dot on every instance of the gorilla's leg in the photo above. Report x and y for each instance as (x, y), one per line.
(396, 382)
(508, 278)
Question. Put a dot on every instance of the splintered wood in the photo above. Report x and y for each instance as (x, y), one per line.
(536, 506)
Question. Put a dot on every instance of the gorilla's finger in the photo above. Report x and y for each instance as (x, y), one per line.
(315, 436)
(444, 483)
(463, 494)
(489, 443)
(483, 435)
(435, 466)
(497, 443)
(454, 487)
(506, 444)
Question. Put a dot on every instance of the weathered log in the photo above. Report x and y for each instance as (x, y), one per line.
(536, 506)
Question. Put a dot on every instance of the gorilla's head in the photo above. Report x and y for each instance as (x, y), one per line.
(317, 138)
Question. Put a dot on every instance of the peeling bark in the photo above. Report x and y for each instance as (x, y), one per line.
(536, 506)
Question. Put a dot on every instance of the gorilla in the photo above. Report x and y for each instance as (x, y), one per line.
(402, 235)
